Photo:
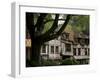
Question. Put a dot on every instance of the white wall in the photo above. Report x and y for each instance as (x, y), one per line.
(5, 40)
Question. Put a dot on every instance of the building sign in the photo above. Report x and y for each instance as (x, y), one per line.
(28, 42)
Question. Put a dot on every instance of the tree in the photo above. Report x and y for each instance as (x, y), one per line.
(35, 24)
(80, 23)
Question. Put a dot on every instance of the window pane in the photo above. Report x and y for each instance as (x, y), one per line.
(67, 47)
(57, 49)
(79, 51)
(86, 51)
(52, 49)
(74, 51)
(44, 49)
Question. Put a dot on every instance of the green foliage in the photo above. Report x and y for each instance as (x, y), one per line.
(50, 63)
(48, 17)
(66, 61)
(69, 62)
(80, 23)
(31, 63)
(48, 24)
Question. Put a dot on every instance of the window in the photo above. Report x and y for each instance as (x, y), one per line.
(67, 47)
(74, 51)
(57, 49)
(86, 51)
(79, 51)
(65, 36)
(52, 49)
(87, 41)
(44, 49)
(48, 48)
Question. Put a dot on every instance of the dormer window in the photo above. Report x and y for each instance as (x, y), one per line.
(65, 36)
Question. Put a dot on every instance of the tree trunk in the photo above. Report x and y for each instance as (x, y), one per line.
(35, 56)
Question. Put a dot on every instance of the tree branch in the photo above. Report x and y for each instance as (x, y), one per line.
(51, 30)
(55, 35)
(53, 20)
(40, 21)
